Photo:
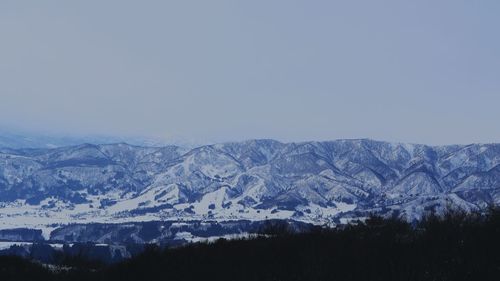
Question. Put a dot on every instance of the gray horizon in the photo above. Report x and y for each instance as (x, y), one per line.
(223, 71)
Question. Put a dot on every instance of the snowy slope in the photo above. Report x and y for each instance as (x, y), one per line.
(317, 182)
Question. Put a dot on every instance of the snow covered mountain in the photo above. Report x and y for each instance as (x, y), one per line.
(20, 139)
(316, 182)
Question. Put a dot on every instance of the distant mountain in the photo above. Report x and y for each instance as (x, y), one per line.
(17, 140)
(21, 140)
(328, 182)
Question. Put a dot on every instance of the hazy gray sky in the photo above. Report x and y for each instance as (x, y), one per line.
(415, 71)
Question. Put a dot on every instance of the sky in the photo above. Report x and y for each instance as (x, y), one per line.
(405, 71)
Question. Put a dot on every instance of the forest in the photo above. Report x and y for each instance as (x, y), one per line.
(454, 246)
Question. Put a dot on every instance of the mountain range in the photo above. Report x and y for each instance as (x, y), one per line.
(328, 183)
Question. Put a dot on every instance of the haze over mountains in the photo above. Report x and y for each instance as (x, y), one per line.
(327, 182)
(28, 139)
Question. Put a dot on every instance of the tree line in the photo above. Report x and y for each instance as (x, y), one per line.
(455, 246)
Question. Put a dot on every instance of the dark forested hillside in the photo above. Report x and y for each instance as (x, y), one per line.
(455, 247)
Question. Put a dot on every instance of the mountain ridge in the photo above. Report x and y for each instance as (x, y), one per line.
(315, 182)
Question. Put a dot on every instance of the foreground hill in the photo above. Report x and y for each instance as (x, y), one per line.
(455, 247)
(316, 182)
